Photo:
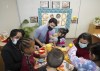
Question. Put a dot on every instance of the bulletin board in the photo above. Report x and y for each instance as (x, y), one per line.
(63, 16)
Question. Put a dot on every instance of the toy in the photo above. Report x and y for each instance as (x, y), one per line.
(70, 45)
(42, 50)
(48, 47)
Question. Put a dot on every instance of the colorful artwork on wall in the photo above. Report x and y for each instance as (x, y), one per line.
(65, 4)
(63, 16)
(44, 4)
(55, 4)
(34, 19)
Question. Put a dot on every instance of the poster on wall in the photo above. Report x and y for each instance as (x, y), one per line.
(74, 20)
(34, 19)
(61, 18)
(44, 4)
(55, 4)
(65, 4)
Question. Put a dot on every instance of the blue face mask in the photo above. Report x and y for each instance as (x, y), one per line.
(82, 45)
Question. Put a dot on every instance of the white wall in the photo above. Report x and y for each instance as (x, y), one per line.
(28, 8)
(88, 10)
(8, 15)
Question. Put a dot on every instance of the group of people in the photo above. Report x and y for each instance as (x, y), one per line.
(18, 54)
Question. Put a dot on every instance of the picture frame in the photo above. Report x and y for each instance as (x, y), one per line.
(65, 4)
(55, 4)
(44, 4)
(34, 19)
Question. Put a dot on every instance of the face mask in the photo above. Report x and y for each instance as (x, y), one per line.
(50, 28)
(82, 45)
(15, 41)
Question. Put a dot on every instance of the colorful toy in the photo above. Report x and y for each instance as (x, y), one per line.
(48, 47)
(42, 50)
(70, 45)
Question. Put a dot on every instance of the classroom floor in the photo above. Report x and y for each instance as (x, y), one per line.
(68, 40)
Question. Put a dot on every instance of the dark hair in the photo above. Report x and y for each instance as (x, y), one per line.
(55, 58)
(95, 49)
(22, 31)
(25, 43)
(53, 20)
(63, 31)
(13, 32)
(85, 36)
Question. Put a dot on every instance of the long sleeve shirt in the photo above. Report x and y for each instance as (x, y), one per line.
(25, 65)
(40, 33)
(80, 63)
(12, 57)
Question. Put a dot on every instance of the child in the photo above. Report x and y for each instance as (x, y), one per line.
(28, 61)
(84, 64)
(59, 38)
(54, 59)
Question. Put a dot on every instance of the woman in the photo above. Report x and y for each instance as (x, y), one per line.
(82, 43)
(11, 54)
(82, 64)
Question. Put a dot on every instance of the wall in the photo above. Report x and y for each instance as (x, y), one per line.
(86, 10)
(28, 8)
(8, 15)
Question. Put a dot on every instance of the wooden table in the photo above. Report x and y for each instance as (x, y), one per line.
(95, 39)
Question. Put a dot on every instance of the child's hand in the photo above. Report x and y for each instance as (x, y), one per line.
(69, 47)
(36, 66)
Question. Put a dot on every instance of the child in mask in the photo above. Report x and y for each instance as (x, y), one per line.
(84, 64)
(28, 61)
(82, 44)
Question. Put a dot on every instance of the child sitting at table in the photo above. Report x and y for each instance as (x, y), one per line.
(59, 38)
(28, 61)
(55, 58)
(84, 64)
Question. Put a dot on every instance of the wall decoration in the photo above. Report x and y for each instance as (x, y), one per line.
(62, 15)
(51, 16)
(55, 4)
(65, 4)
(74, 20)
(44, 4)
(58, 15)
(45, 16)
(34, 19)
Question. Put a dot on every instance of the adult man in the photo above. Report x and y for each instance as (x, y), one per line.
(44, 32)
